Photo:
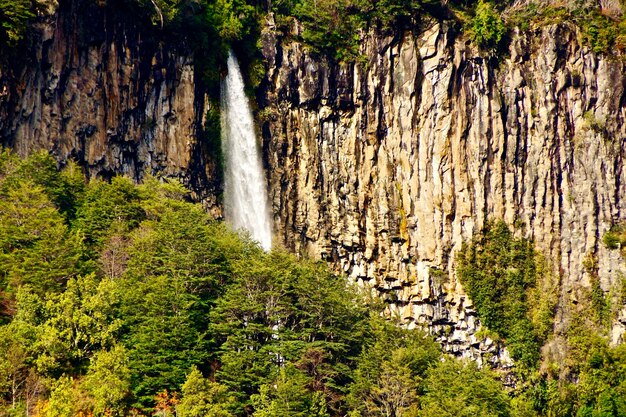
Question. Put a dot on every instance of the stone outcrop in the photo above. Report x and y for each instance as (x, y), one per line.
(385, 167)
(102, 86)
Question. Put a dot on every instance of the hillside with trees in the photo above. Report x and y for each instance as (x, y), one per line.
(130, 300)
(124, 296)
(123, 299)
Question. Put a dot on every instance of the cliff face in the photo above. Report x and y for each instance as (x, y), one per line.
(386, 168)
(383, 168)
(104, 89)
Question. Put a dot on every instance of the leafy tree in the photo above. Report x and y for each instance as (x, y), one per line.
(390, 369)
(80, 322)
(67, 399)
(204, 398)
(36, 247)
(20, 383)
(64, 188)
(230, 18)
(487, 27)
(14, 17)
(600, 371)
(393, 14)
(275, 312)
(108, 205)
(457, 389)
(13, 365)
(61, 402)
(162, 340)
(180, 240)
(329, 28)
(289, 395)
(178, 263)
(108, 380)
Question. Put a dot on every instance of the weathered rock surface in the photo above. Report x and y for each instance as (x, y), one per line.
(383, 168)
(106, 90)
(386, 168)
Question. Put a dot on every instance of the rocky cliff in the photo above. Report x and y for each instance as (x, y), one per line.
(384, 168)
(101, 85)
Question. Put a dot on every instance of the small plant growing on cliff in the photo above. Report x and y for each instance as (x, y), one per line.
(487, 27)
(592, 122)
(615, 238)
(439, 276)
(485, 333)
(611, 240)
(14, 16)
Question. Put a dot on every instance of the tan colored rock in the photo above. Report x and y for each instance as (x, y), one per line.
(436, 140)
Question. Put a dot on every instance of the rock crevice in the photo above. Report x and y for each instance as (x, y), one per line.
(385, 168)
(105, 90)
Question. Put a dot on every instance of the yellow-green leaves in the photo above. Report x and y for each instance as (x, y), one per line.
(14, 17)
(487, 27)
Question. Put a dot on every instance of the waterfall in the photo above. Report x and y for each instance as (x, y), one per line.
(245, 195)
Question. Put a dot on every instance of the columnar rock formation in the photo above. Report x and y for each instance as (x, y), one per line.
(385, 168)
(99, 87)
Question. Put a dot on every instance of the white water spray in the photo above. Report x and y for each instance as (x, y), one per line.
(245, 197)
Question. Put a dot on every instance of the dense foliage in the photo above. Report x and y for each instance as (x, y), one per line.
(14, 18)
(499, 273)
(487, 27)
(581, 374)
(120, 299)
(603, 29)
(336, 27)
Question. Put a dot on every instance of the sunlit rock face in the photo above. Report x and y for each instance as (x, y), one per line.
(385, 168)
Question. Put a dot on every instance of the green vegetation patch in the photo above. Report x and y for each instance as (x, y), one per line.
(501, 275)
(14, 18)
(615, 238)
(483, 23)
(335, 28)
(602, 32)
(123, 299)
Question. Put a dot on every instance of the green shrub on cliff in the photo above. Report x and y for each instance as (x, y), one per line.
(602, 29)
(500, 273)
(335, 27)
(329, 27)
(14, 17)
(487, 27)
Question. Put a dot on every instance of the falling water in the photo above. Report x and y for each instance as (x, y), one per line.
(245, 197)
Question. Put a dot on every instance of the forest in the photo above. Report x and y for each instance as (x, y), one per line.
(120, 299)
(123, 299)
